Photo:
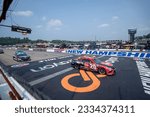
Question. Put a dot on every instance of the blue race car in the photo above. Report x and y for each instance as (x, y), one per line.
(21, 56)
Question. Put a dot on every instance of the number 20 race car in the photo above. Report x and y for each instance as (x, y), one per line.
(93, 64)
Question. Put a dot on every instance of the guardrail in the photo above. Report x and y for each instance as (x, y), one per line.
(19, 92)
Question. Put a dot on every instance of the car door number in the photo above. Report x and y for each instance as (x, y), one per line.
(93, 66)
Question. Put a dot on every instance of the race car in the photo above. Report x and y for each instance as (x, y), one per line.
(93, 64)
(21, 56)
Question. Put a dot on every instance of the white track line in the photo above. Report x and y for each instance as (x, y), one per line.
(49, 76)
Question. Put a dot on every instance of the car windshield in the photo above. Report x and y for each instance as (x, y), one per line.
(97, 61)
(19, 51)
(22, 54)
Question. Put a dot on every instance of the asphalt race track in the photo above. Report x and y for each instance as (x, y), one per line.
(55, 79)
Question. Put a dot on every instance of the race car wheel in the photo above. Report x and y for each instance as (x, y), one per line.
(102, 71)
(17, 60)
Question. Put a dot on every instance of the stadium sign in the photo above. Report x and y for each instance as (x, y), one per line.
(111, 53)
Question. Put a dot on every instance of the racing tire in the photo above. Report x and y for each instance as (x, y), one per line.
(17, 60)
(102, 71)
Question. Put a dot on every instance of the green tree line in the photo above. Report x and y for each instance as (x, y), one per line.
(13, 41)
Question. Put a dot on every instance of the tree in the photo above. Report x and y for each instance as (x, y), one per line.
(13, 41)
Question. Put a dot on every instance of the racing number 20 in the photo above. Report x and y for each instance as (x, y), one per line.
(93, 66)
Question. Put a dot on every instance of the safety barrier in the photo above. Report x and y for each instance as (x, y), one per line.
(18, 92)
(137, 53)
(111, 53)
(35, 92)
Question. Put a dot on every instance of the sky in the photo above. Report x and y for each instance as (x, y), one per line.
(77, 20)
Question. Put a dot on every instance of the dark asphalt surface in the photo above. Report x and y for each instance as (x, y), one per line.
(124, 85)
